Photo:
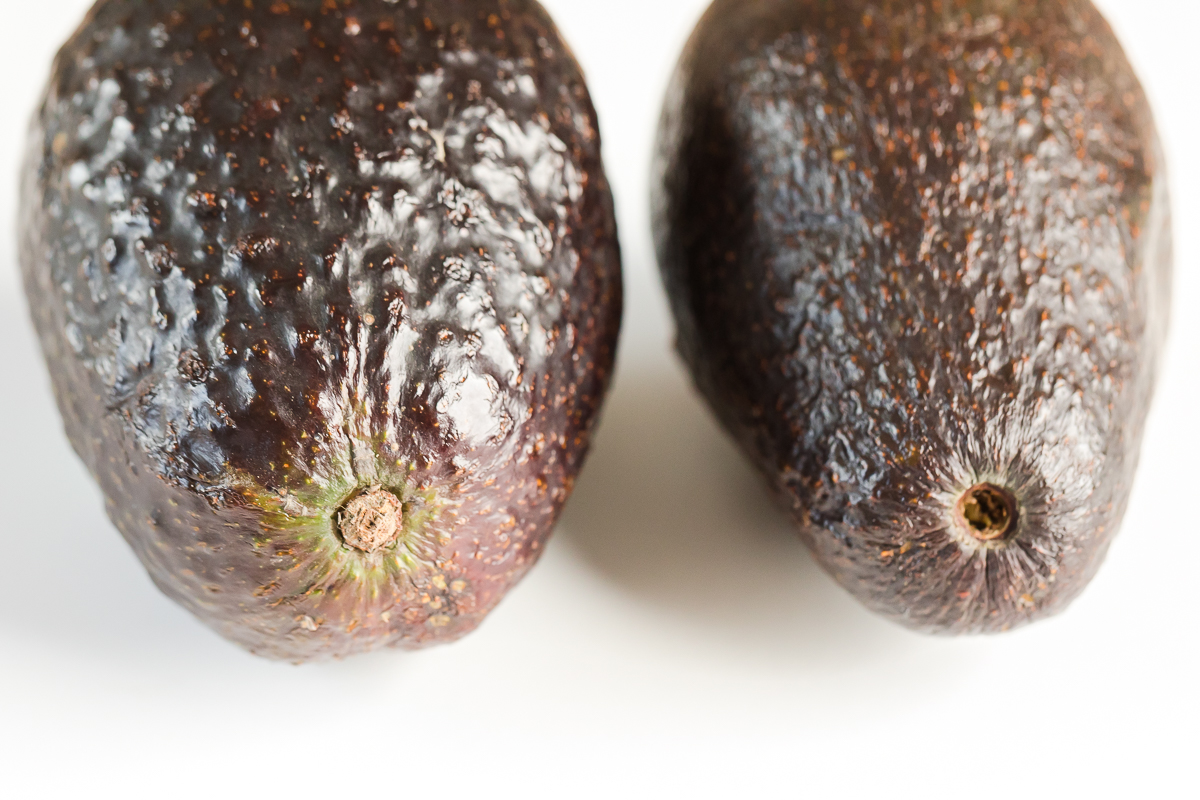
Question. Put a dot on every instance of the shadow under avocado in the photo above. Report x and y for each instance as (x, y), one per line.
(669, 509)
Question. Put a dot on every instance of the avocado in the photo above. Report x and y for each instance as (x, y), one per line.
(919, 259)
(329, 293)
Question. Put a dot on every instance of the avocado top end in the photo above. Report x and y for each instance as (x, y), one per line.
(329, 291)
(372, 521)
(919, 258)
(986, 512)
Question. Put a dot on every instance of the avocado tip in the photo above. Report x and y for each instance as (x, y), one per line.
(988, 512)
(372, 520)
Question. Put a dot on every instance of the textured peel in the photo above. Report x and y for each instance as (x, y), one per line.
(913, 248)
(281, 253)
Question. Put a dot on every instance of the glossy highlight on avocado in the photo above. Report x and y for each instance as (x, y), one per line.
(919, 258)
(329, 292)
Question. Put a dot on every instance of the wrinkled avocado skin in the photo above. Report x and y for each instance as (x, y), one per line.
(914, 247)
(281, 252)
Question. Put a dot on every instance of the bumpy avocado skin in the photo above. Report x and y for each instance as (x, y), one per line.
(911, 248)
(281, 252)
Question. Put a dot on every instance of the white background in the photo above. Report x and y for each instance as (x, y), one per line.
(675, 641)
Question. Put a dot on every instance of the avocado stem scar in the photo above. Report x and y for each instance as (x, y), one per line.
(988, 512)
(372, 520)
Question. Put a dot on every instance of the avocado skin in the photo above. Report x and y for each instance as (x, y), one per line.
(914, 247)
(278, 253)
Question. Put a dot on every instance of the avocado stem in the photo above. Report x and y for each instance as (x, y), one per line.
(372, 520)
(988, 512)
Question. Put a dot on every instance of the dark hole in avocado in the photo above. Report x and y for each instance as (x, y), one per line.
(990, 513)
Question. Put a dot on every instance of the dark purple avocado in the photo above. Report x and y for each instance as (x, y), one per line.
(919, 258)
(329, 291)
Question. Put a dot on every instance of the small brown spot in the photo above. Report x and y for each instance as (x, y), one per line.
(192, 367)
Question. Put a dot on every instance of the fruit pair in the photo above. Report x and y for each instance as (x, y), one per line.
(330, 293)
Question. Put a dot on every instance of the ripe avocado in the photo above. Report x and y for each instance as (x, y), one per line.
(329, 291)
(919, 258)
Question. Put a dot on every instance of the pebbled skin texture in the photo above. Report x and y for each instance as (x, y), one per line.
(912, 247)
(280, 252)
